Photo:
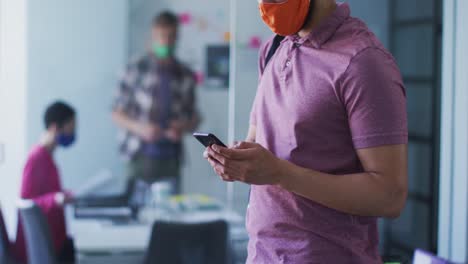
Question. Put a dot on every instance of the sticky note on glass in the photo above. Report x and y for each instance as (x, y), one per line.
(199, 77)
(185, 18)
(255, 42)
(227, 36)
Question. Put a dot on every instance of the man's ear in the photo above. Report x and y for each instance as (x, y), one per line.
(53, 128)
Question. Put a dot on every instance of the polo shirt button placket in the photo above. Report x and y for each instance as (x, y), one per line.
(285, 70)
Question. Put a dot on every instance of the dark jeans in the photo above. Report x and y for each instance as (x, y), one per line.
(67, 253)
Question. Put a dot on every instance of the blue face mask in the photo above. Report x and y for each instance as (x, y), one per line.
(65, 140)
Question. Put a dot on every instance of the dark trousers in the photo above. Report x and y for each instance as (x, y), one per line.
(67, 253)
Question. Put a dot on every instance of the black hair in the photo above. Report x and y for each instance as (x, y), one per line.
(58, 113)
(166, 19)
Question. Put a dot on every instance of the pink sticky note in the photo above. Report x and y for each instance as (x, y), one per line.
(199, 77)
(185, 18)
(255, 42)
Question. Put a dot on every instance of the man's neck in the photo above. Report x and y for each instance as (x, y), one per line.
(48, 141)
(165, 61)
(322, 10)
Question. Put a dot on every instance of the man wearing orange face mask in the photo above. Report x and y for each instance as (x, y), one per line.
(326, 152)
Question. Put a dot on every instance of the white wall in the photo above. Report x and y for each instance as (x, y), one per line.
(76, 51)
(12, 103)
(453, 206)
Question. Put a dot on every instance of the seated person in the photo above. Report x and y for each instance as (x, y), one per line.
(41, 181)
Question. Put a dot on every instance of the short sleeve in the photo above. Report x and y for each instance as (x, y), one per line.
(253, 112)
(261, 67)
(374, 97)
(123, 96)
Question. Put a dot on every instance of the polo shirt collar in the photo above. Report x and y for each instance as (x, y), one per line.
(326, 29)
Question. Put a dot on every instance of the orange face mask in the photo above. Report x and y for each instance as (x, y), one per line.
(285, 18)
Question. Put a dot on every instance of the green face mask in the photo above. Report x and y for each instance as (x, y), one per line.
(162, 51)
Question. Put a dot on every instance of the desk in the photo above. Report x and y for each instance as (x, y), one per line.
(97, 236)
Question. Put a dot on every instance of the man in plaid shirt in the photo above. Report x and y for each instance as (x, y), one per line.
(154, 106)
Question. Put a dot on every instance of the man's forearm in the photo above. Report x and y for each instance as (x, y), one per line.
(364, 194)
(125, 122)
(147, 131)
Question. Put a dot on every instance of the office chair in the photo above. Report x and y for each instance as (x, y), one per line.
(39, 243)
(5, 256)
(177, 243)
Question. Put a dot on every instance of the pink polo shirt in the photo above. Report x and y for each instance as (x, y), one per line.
(319, 99)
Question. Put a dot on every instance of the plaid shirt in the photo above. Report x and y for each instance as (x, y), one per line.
(140, 96)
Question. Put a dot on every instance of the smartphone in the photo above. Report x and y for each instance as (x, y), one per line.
(208, 139)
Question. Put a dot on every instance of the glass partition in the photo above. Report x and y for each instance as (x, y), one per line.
(249, 33)
(203, 46)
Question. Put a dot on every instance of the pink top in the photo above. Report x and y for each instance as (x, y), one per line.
(319, 99)
(40, 183)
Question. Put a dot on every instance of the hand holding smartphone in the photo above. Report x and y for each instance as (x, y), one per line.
(208, 139)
